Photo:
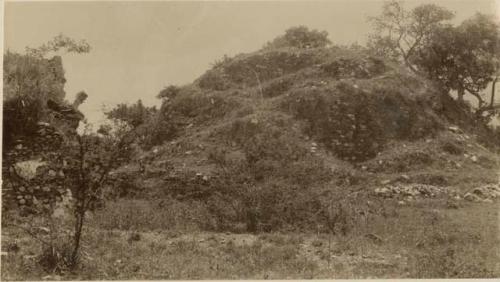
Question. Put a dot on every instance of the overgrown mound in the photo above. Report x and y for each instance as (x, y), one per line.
(270, 140)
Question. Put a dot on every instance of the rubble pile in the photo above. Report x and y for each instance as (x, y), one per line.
(486, 193)
(410, 190)
(29, 180)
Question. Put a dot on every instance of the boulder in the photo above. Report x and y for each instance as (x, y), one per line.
(471, 197)
(27, 169)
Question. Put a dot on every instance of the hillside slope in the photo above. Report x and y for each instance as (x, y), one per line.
(267, 140)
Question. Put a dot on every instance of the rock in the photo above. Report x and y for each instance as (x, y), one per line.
(487, 201)
(52, 173)
(404, 177)
(454, 129)
(471, 197)
(452, 205)
(375, 238)
(401, 203)
(383, 192)
(474, 159)
(385, 182)
(27, 169)
(134, 237)
(44, 230)
(478, 192)
(188, 152)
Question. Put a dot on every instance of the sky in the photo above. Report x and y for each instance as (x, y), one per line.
(138, 48)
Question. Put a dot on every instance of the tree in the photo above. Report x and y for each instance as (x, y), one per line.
(72, 168)
(90, 161)
(464, 58)
(135, 114)
(461, 58)
(168, 92)
(400, 33)
(300, 37)
(57, 43)
(30, 80)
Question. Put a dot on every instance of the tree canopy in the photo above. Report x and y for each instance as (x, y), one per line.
(300, 37)
(462, 58)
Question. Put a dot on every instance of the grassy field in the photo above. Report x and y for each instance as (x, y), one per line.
(424, 239)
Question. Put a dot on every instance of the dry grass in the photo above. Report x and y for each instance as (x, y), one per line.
(424, 240)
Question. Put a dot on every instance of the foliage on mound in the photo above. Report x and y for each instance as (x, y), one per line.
(28, 83)
(250, 70)
(201, 107)
(257, 170)
(354, 67)
(355, 124)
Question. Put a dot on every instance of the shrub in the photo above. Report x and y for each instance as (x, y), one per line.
(28, 83)
(345, 122)
(300, 37)
(214, 79)
(135, 114)
(277, 87)
(169, 92)
(156, 131)
(358, 68)
(200, 107)
(264, 66)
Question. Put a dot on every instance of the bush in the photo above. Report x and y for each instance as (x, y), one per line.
(249, 70)
(169, 92)
(214, 79)
(452, 148)
(358, 68)
(345, 121)
(201, 107)
(135, 114)
(277, 87)
(300, 37)
(28, 83)
(156, 131)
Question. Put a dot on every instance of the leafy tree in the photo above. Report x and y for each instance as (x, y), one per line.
(135, 114)
(168, 92)
(57, 43)
(461, 58)
(30, 80)
(74, 169)
(400, 33)
(90, 161)
(300, 37)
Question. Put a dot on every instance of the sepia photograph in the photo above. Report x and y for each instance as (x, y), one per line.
(236, 140)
